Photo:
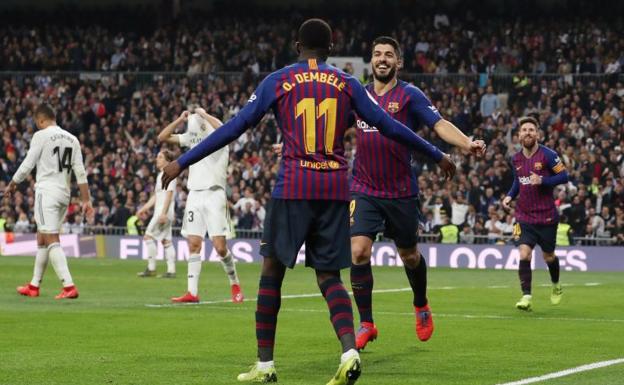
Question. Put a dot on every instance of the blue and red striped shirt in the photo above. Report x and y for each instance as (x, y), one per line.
(536, 203)
(312, 102)
(382, 167)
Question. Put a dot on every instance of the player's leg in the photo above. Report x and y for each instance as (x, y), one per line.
(152, 250)
(41, 262)
(525, 238)
(525, 274)
(547, 243)
(194, 267)
(59, 263)
(170, 257)
(279, 247)
(416, 271)
(218, 221)
(229, 266)
(193, 229)
(366, 221)
(328, 251)
(267, 309)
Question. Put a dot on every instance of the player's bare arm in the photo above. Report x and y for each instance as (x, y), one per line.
(167, 134)
(85, 198)
(162, 219)
(148, 205)
(453, 135)
(214, 122)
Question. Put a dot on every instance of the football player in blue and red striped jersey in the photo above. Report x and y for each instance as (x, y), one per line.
(312, 102)
(537, 170)
(384, 190)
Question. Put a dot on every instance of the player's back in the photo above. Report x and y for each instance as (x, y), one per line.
(312, 107)
(58, 156)
(161, 195)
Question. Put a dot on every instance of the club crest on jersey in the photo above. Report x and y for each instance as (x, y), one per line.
(538, 166)
(393, 107)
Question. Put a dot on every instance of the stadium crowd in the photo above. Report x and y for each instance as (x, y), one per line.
(117, 116)
(206, 43)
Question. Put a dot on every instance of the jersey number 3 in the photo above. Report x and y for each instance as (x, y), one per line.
(64, 162)
(311, 113)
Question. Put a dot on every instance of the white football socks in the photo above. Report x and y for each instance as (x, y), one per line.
(41, 261)
(194, 269)
(170, 257)
(151, 254)
(348, 354)
(229, 266)
(59, 263)
(265, 365)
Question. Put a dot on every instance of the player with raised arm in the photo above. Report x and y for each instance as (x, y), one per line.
(206, 204)
(537, 170)
(55, 153)
(159, 227)
(384, 190)
(312, 102)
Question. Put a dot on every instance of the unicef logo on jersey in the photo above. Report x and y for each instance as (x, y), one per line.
(362, 125)
(525, 180)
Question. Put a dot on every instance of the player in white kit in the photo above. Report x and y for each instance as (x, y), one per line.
(206, 205)
(159, 227)
(56, 153)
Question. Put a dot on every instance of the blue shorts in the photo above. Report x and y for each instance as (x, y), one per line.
(397, 217)
(322, 224)
(531, 234)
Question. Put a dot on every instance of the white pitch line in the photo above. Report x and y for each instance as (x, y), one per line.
(441, 315)
(567, 372)
(378, 291)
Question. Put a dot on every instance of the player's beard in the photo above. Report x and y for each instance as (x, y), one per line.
(528, 142)
(385, 78)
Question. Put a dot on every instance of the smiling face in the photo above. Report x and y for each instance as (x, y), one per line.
(528, 135)
(385, 62)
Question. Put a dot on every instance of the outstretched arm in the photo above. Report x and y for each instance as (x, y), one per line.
(259, 102)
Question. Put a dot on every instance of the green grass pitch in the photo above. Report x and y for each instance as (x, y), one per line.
(110, 336)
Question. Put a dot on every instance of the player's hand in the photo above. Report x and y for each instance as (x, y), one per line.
(447, 166)
(87, 209)
(162, 219)
(9, 189)
(170, 172)
(184, 115)
(477, 148)
(507, 203)
(277, 149)
(535, 179)
(200, 111)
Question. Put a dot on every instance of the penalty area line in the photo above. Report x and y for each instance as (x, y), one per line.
(566, 372)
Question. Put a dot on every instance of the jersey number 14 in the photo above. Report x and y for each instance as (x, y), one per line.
(64, 162)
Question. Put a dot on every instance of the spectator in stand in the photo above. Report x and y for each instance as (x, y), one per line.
(489, 103)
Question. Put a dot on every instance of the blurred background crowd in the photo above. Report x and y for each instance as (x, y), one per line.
(481, 76)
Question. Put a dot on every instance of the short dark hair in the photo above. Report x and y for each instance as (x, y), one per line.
(168, 154)
(528, 119)
(46, 111)
(315, 34)
(390, 41)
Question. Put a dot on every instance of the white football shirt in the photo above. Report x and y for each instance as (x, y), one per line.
(212, 170)
(56, 153)
(161, 196)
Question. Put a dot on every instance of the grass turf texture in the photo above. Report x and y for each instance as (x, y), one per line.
(109, 336)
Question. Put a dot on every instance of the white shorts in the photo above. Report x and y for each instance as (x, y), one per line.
(206, 212)
(50, 210)
(158, 231)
